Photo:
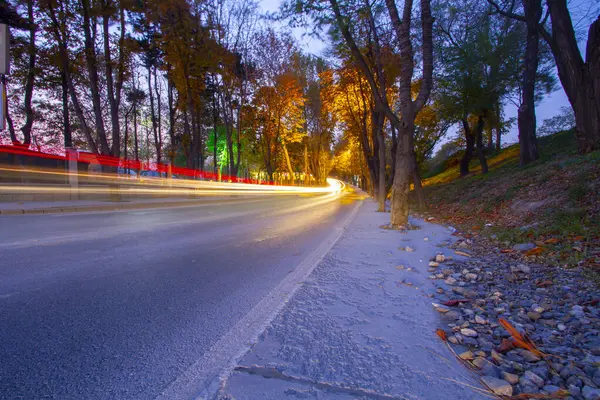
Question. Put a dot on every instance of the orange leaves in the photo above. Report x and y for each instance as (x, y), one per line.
(551, 241)
(520, 340)
(442, 334)
(535, 251)
(507, 251)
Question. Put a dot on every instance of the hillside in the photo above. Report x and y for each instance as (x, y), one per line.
(552, 204)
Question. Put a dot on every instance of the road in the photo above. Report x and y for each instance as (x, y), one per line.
(117, 305)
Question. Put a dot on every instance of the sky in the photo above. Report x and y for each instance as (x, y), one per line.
(547, 108)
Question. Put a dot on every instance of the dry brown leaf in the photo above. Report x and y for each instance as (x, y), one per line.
(462, 253)
(551, 241)
(507, 251)
(455, 302)
(442, 334)
(518, 339)
(578, 238)
(505, 346)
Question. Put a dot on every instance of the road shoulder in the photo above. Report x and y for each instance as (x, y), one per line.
(360, 326)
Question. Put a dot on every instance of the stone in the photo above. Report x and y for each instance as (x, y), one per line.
(524, 268)
(453, 339)
(440, 308)
(534, 378)
(529, 356)
(455, 315)
(498, 386)
(550, 389)
(440, 258)
(497, 357)
(590, 393)
(524, 246)
(439, 290)
(513, 379)
(480, 320)
(409, 249)
(434, 264)
(450, 281)
(537, 308)
(468, 332)
(479, 362)
(467, 355)
(534, 316)
(471, 276)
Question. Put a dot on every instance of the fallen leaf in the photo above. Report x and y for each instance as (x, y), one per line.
(442, 334)
(507, 251)
(518, 339)
(578, 249)
(539, 243)
(505, 346)
(462, 253)
(535, 251)
(551, 241)
(455, 302)
(545, 283)
(578, 238)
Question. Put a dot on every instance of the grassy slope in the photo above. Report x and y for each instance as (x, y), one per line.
(554, 202)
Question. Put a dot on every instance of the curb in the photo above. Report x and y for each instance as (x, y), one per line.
(115, 207)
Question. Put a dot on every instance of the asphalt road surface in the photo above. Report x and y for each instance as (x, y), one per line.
(117, 305)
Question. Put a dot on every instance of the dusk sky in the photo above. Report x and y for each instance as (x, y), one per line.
(551, 104)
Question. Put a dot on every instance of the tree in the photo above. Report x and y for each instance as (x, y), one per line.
(579, 77)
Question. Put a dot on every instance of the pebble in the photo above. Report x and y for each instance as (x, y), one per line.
(513, 379)
(590, 393)
(468, 332)
(450, 281)
(440, 258)
(498, 386)
(434, 264)
(467, 355)
(535, 379)
(544, 302)
(440, 308)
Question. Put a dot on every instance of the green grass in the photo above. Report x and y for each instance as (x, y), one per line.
(556, 197)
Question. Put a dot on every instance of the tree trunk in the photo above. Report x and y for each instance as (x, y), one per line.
(479, 141)
(65, 111)
(580, 80)
(114, 109)
(32, 52)
(288, 162)
(466, 159)
(526, 113)
(135, 133)
(92, 67)
(11, 127)
(171, 121)
(401, 186)
(153, 115)
(377, 120)
(158, 116)
(416, 178)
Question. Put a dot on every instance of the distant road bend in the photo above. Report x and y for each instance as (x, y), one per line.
(120, 305)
